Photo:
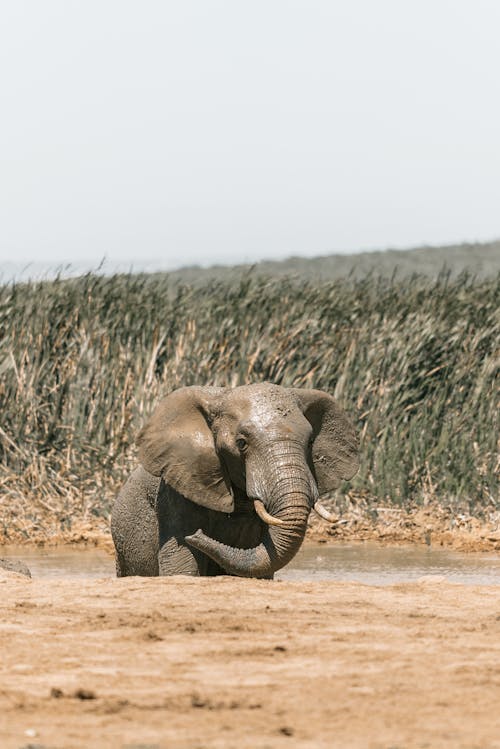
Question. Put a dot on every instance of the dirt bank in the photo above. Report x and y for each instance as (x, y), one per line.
(227, 662)
(432, 525)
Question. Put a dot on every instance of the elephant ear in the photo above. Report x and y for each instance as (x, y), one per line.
(335, 443)
(177, 444)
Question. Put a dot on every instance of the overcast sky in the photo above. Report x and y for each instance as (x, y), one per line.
(203, 131)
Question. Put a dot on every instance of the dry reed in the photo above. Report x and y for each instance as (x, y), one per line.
(83, 361)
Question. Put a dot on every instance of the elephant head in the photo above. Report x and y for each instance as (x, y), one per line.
(277, 447)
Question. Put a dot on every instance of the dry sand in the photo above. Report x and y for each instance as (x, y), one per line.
(226, 662)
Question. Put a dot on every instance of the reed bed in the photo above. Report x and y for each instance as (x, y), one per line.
(83, 361)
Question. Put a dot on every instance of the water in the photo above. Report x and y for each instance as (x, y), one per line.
(383, 565)
(361, 562)
(62, 561)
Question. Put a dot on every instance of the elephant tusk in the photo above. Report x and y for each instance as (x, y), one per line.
(323, 513)
(264, 515)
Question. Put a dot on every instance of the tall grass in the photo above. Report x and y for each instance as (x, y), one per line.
(83, 361)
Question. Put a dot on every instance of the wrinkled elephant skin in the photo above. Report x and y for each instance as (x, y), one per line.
(228, 478)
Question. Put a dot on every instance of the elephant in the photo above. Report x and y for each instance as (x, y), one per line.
(227, 479)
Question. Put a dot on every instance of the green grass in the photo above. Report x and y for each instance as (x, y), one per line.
(83, 361)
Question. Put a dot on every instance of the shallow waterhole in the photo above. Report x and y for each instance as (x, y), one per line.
(361, 562)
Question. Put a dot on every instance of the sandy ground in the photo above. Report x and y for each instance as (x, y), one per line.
(225, 662)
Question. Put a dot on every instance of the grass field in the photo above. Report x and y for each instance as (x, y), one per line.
(482, 260)
(83, 361)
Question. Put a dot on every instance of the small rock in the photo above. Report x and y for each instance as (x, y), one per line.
(14, 565)
(85, 694)
(153, 636)
(197, 701)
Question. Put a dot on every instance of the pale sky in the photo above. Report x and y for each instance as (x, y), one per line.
(205, 131)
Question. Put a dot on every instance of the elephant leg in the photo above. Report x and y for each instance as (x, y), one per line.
(134, 526)
(175, 558)
(177, 518)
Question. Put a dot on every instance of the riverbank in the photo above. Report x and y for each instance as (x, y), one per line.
(173, 662)
(431, 525)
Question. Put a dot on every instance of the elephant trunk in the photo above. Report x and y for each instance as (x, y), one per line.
(283, 481)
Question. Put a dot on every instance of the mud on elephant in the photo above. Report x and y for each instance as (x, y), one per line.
(228, 478)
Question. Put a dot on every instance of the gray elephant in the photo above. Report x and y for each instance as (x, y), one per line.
(228, 478)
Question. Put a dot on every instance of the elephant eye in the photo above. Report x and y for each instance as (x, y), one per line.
(241, 444)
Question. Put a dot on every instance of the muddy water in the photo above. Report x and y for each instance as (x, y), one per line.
(365, 563)
(381, 565)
